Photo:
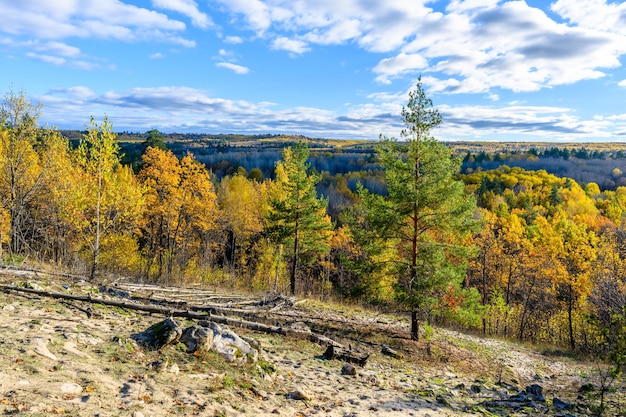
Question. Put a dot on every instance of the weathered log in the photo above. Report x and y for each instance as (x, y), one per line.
(386, 350)
(335, 352)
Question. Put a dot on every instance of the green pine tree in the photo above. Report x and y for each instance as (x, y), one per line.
(296, 217)
(424, 215)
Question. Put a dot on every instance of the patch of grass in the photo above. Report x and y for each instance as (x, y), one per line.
(266, 367)
(228, 382)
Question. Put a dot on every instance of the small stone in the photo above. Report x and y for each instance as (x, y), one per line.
(443, 401)
(71, 388)
(174, 369)
(40, 348)
(260, 393)
(159, 365)
(298, 395)
(373, 380)
(348, 369)
(137, 414)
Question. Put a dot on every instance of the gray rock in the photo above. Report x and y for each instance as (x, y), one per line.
(562, 405)
(536, 391)
(299, 395)
(348, 369)
(229, 344)
(197, 338)
(40, 348)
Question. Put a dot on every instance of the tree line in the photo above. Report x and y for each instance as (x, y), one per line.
(518, 253)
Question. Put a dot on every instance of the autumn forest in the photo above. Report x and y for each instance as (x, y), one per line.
(451, 236)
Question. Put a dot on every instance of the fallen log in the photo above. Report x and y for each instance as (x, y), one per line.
(335, 352)
(172, 312)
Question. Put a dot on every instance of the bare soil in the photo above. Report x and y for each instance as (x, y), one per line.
(78, 358)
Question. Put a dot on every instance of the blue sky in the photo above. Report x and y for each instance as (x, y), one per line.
(497, 70)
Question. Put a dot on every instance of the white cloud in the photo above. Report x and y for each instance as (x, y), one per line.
(48, 59)
(460, 6)
(233, 39)
(238, 69)
(188, 8)
(291, 45)
(57, 48)
(400, 64)
(103, 19)
(256, 13)
(622, 83)
(593, 14)
(483, 44)
(157, 55)
(186, 109)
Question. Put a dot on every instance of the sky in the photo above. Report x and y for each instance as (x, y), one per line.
(496, 70)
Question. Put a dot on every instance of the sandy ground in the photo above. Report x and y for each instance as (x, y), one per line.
(54, 359)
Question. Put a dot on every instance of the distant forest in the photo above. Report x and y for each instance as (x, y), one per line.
(603, 164)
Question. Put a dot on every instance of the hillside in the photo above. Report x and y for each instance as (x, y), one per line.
(78, 358)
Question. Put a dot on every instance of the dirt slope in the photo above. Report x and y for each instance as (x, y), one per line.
(75, 358)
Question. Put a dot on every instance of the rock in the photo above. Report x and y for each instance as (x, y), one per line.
(298, 395)
(561, 405)
(536, 391)
(158, 335)
(71, 388)
(197, 338)
(159, 365)
(174, 369)
(348, 369)
(228, 343)
(71, 348)
(259, 393)
(476, 389)
(386, 350)
(40, 348)
(443, 400)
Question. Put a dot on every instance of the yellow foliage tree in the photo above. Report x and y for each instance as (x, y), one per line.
(181, 210)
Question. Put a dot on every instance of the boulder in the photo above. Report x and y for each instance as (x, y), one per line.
(227, 343)
(158, 335)
(197, 338)
(348, 369)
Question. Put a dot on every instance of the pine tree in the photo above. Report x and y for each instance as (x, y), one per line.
(425, 213)
(296, 217)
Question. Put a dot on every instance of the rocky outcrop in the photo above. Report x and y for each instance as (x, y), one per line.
(200, 337)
